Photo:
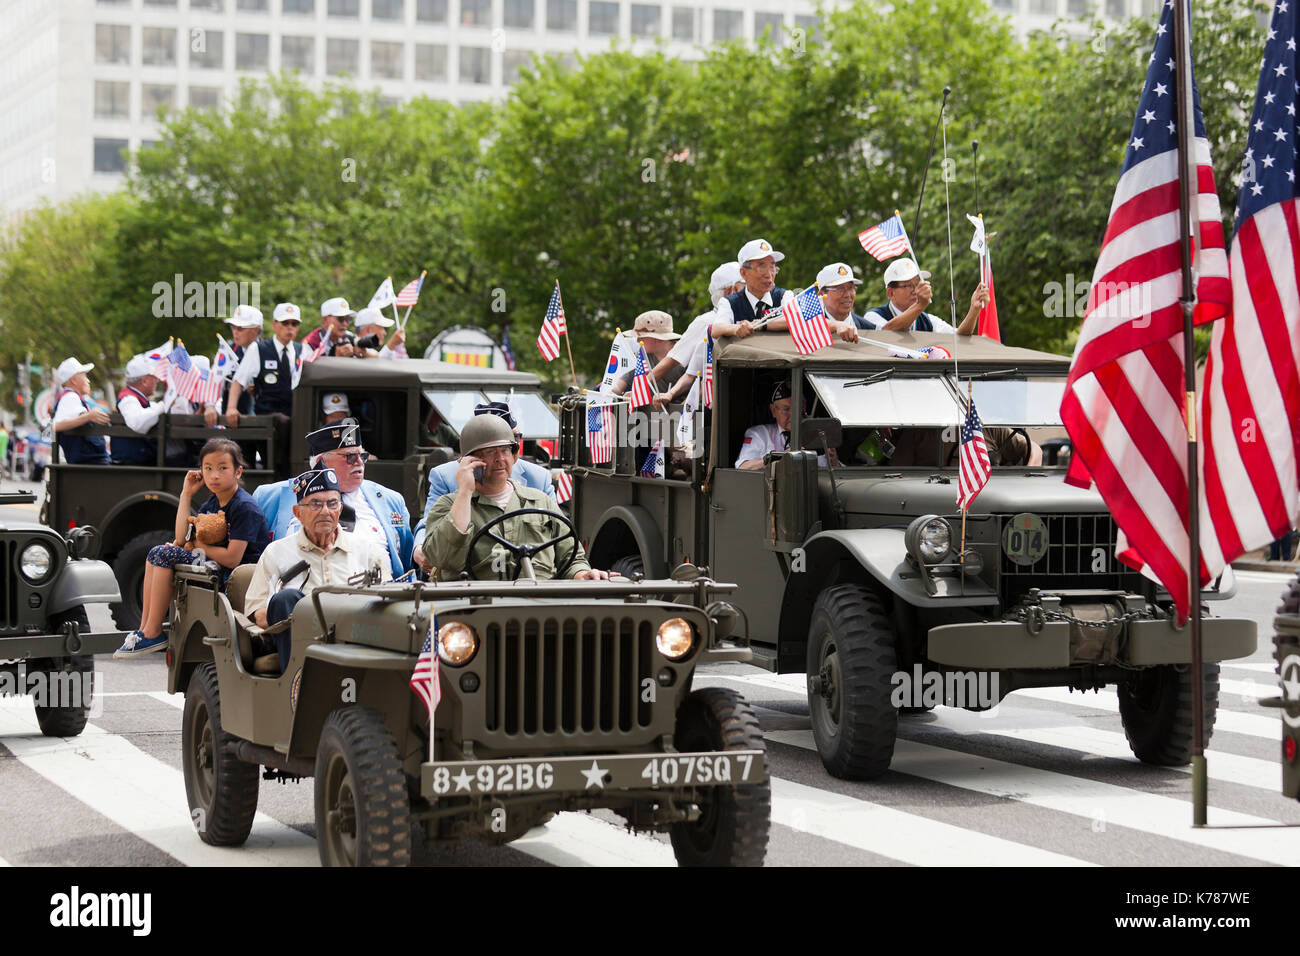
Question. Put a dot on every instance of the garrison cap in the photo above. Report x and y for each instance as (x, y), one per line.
(344, 433)
(499, 409)
(318, 479)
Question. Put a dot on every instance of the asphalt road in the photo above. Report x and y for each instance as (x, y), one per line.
(1044, 779)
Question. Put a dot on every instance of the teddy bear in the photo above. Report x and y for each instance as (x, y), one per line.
(207, 529)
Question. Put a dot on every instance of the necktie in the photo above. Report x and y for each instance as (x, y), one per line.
(785, 440)
(760, 309)
(284, 364)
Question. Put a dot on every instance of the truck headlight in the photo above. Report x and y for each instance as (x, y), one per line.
(674, 638)
(929, 539)
(35, 563)
(457, 643)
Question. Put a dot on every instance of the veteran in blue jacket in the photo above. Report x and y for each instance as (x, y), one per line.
(380, 513)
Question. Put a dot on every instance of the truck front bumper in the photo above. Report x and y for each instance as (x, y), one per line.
(27, 646)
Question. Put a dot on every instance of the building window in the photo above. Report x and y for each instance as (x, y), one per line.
(519, 14)
(475, 64)
(110, 155)
(205, 97)
(512, 61)
(562, 15)
(476, 13)
(153, 96)
(684, 24)
(808, 24)
(112, 43)
(602, 19)
(208, 6)
(431, 11)
(160, 3)
(646, 20)
(1043, 7)
(1004, 5)
(305, 7)
(112, 100)
(207, 48)
(727, 25)
(1115, 9)
(431, 62)
(158, 47)
(1077, 8)
(773, 21)
(253, 6)
(386, 10)
(344, 8)
(386, 60)
(252, 51)
(112, 3)
(341, 56)
(298, 53)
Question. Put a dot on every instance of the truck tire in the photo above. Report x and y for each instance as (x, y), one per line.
(734, 821)
(1155, 707)
(128, 568)
(628, 565)
(68, 720)
(852, 657)
(363, 810)
(221, 788)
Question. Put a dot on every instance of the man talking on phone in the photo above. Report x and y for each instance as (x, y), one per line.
(485, 490)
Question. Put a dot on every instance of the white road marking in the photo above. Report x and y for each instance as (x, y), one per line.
(578, 839)
(1279, 577)
(1102, 804)
(1258, 666)
(1252, 725)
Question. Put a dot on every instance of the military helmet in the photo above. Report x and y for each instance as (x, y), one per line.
(485, 431)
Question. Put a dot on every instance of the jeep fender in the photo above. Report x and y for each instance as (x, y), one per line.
(84, 582)
(157, 502)
(623, 526)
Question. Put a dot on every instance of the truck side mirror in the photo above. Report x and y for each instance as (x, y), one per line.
(820, 434)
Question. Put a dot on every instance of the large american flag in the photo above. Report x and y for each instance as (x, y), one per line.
(708, 369)
(1124, 398)
(807, 322)
(1250, 402)
(548, 340)
(600, 431)
(642, 392)
(973, 467)
(424, 679)
(886, 240)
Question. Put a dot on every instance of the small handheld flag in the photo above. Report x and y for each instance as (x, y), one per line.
(974, 468)
(642, 390)
(807, 322)
(600, 431)
(383, 295)
(886, 240)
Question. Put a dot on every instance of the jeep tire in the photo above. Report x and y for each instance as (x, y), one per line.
(733, 825)
(851, 663)
(1155, 707)
(363, 810)
(630, 566)
(68, 720)
(128, 568)
(221, 788)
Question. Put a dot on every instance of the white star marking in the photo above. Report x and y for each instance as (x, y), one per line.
(1259, 126)
(1172, 127)
(1137, 142)
(1160, 30)
(595, 777)
(1148, 116)
(1161, 89)
(1290, 44)
(1281, 7)
(1280, 70)
(462, 780)
(1290, 175)
(1268, 162)
(1170, 63)
(1280, 134)
(1269, 97)
(1256, 189)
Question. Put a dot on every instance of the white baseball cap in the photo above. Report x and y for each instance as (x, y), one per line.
(372, 317)
(837, 273)
(246, 317)
(68, 368)
(201, 362)
(903, 270)
(335, 402)
(139, 367)
(757, 249)
(286, 312)
(724, 277)
(335, 306)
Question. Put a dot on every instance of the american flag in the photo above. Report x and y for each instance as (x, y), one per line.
(206, 390)
(563, 485)
(600, 431)
(653, 466)
(642, 392)
(973, 467)
(506, 349)
(184, 374)
(708, 369)
(410, 293)
(1250, 402)
(886, 240)
(424, 679)
(548, 340)
(807, 322)
(1124, 398)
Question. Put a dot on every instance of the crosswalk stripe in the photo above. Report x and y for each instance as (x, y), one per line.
(142, 794)
(1252, 725)
(1098, 802)
(1258, 666)
(900, 836)
(577, 839)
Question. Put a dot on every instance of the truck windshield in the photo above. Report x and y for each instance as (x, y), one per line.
(930, 402)
(536, 420)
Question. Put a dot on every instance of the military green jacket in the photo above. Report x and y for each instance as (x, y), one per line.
(445, 546)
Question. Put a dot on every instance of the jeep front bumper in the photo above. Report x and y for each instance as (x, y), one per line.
(27, 646)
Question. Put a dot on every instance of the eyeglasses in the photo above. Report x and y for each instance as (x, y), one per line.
(771, 267)
(354, 458)
(848, 287)
(290, 322)
(345, 319)
(316, 507)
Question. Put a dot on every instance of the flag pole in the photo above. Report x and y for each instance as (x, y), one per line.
(925, 173)
(965, 509)
(567, 344)
(1186, 133)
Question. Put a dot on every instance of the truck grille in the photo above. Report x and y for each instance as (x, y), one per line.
(8, 586)
(564, 675)
(1071, 552)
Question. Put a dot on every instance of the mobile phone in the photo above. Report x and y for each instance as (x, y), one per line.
(480, 472)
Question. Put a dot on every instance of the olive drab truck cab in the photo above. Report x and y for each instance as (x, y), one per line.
(855, 574)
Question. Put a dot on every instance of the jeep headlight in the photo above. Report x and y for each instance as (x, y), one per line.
(35, 563)
(929, 539)
(674, 638)
(457, 643)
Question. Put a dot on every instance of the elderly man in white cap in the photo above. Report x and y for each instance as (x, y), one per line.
(909, 293)
(270, 369)
(335, 314)
(73, 408)
(141, 414)
(738, 312)
(724, 281)
(334, 407)
(245, 328)
(654, 333)
(372, 322)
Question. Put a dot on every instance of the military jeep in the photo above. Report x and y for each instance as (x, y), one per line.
(46, 647)
(857, 575)
(555, 695)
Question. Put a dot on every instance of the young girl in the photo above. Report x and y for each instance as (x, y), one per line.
(220, 468)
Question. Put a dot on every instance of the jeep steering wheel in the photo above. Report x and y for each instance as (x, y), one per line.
(520, 551)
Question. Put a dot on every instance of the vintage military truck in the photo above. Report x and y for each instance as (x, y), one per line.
(410, 412)
(555, 695)
(1286, 651)
(46, 647)
(857, 576)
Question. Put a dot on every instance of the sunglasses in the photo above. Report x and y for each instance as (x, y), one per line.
(290, 322)
(354, 458)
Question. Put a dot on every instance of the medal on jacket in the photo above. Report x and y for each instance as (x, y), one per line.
(271, 378)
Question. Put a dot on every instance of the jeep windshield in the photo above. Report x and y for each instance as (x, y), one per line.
(903, 400)
(456, 406)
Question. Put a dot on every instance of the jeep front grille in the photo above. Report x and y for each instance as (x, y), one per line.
(555, 676)
(1080, 554)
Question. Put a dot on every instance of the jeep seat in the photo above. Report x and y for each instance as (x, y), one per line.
(236, 589)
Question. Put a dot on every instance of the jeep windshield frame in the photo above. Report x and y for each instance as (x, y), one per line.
(932, 401)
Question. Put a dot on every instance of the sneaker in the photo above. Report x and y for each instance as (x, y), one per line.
(136, 645)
